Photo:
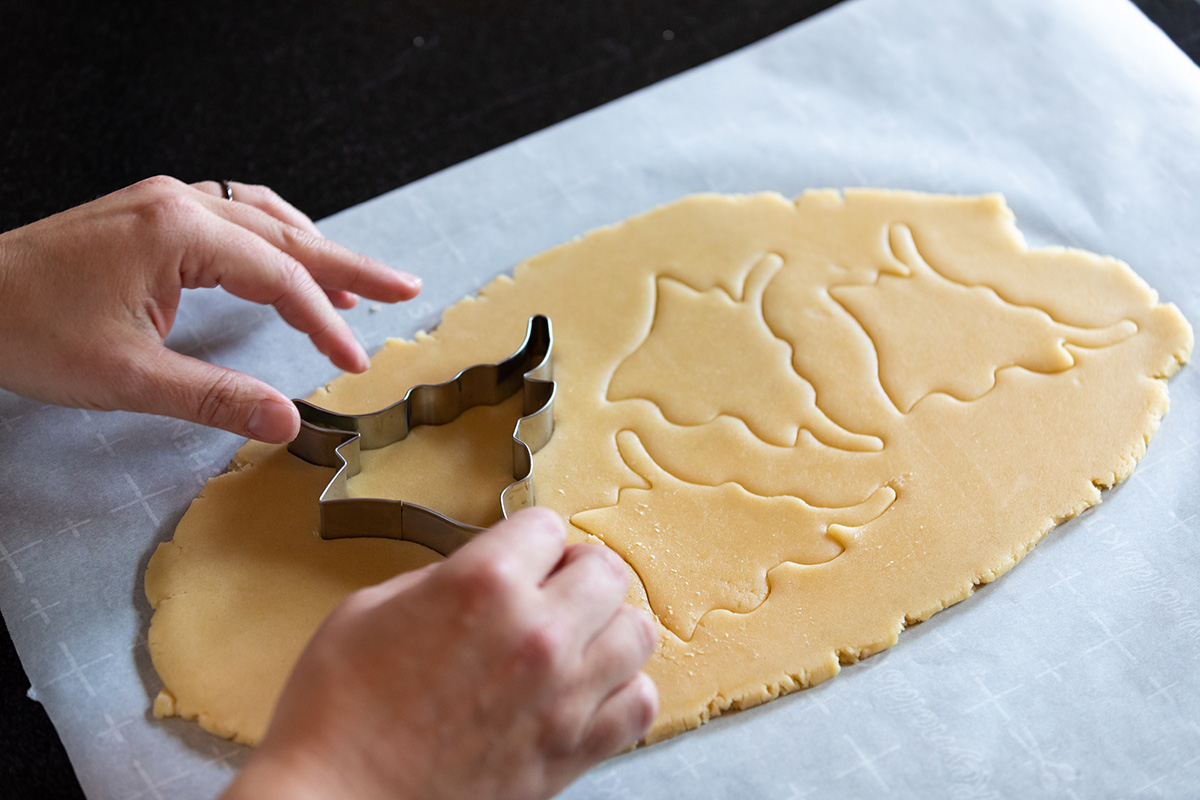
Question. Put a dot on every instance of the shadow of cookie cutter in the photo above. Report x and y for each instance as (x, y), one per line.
(330, 439)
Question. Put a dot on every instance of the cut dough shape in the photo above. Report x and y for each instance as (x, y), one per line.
(652, 526)
(803, 425)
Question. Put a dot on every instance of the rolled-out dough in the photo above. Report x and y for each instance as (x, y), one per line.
(803, 425)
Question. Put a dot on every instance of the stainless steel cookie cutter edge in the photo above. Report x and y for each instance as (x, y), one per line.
(330, 439)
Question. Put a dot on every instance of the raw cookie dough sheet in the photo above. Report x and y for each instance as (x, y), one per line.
(1082, 114)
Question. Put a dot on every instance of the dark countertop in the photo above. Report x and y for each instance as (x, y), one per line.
(330, 103)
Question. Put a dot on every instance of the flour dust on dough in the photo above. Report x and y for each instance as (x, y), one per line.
(803, 425)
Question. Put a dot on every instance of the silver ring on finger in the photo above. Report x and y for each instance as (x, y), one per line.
(226, 190)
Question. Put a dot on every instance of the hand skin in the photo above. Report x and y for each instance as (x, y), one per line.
(502, 673)
(88, 296)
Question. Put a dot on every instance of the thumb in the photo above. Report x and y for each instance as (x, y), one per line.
(187, 388)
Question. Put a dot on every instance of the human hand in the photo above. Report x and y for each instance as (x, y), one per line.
(88, 296)
(504, 672)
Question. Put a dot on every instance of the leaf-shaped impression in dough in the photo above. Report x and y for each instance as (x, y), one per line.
(934, 335)
(688, 572)
(686, 367)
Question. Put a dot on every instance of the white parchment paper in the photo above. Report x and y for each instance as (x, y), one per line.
(1073, 676)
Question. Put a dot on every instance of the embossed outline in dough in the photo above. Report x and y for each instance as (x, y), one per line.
(916, 264)
(754, 287)
(841, 534)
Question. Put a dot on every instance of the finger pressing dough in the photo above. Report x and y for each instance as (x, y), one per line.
(803, 425)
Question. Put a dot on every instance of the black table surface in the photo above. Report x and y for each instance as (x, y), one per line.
(330, 103)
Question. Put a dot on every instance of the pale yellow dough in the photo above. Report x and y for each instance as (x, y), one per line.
(804, 425)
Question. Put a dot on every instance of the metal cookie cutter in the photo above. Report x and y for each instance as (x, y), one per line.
(330, 439)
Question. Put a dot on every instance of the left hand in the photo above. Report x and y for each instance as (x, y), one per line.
(88, 296)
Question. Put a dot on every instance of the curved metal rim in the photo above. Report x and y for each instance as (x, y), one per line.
(330, 439)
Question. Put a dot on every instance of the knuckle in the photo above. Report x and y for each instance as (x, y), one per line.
(168, 210)
(628, 722)
(290, 236)
(291, 272)
(608, 567)
(539, 519)
(485, 585)
(645, 705)
(295, 287)
(296, 278)
(563, 726)
(270, 197)
(646, 631)
(218, 405)
(296, 238)
(159, 183)
(540, 649)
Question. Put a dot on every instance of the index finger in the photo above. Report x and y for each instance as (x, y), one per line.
(526, 547)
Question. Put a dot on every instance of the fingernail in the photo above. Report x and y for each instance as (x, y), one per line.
(410, 285)
(273, 421)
